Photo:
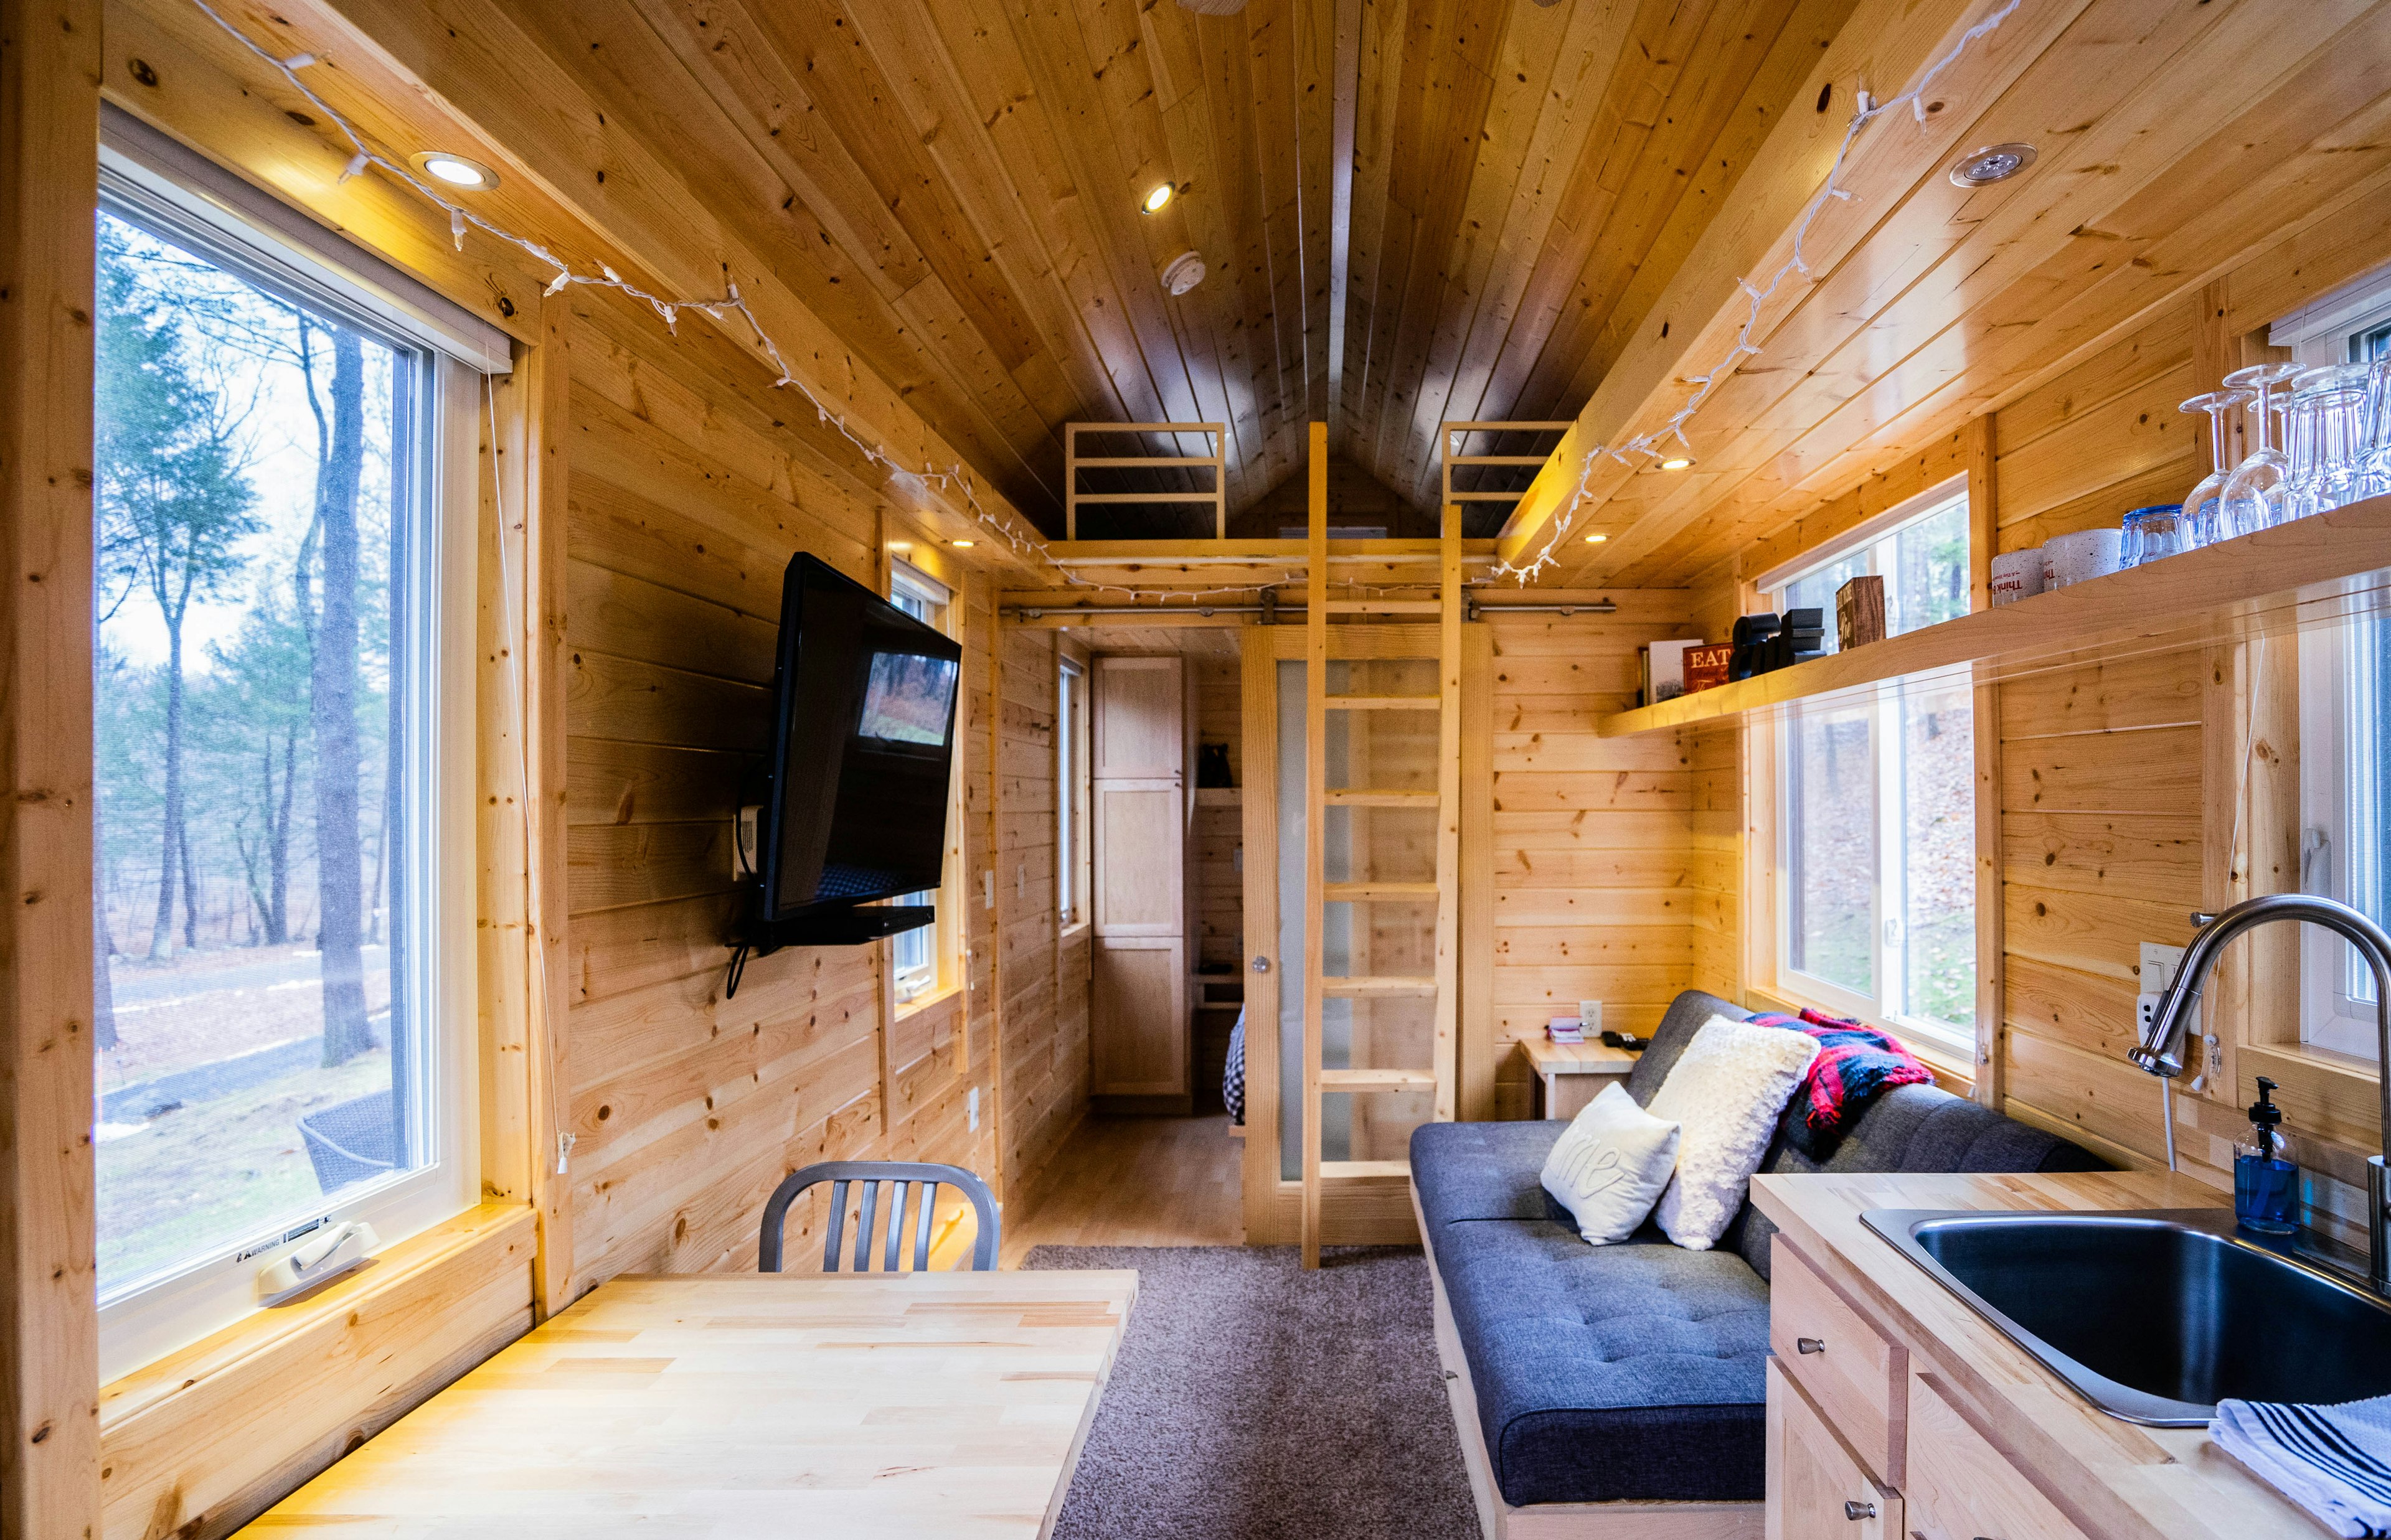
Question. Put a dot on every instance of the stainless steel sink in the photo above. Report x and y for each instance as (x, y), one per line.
(2156, 1316)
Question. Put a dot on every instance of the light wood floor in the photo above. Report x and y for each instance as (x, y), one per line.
(1134, 1182)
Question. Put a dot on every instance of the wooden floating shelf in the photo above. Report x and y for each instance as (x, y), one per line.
(1379, 892)
(1378, 1080)
(2306, 573)
(1383, 702)
(1378, 799)
(1383, 987)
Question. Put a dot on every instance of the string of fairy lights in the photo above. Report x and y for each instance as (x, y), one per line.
(954, 479)
(1756, 296)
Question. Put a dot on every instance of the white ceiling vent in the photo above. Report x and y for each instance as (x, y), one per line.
(1185, 270)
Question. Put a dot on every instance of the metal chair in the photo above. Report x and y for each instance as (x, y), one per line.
(903, 1174)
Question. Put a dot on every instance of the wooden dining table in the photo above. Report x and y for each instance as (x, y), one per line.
(947, 1404)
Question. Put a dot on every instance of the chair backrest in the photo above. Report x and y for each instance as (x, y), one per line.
(902, 1176)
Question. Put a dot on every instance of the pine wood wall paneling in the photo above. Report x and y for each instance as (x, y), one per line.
(49, 131)
(1594, 886)
(689, 1107)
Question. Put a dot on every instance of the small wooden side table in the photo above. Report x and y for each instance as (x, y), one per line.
(1570, 1074)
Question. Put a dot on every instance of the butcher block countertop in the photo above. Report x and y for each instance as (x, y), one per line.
(942, 1406)
(2116, 1479)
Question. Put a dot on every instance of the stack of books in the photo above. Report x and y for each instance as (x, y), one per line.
(1565, 1029)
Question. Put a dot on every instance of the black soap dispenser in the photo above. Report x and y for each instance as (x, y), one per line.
(2265, 1177)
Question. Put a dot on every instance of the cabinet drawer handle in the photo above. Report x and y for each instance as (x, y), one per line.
(1809, 1344)
(1859, 1511)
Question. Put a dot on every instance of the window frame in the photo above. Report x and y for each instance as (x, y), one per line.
(1887, 1005)
(912, 984)
(2336, 993)
(145, 1318)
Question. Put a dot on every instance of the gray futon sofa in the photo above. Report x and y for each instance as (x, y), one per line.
(1633, 1372)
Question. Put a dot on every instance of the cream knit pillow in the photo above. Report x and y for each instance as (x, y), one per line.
(1726, 1093)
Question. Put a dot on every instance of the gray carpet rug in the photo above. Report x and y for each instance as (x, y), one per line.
(1253, 1401)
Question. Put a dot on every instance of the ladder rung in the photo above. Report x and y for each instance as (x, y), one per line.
(1351, 797)
(1331, 1169)
(1383, 702)
(1379, 892)
(1385, 986)
(1378, 1080)
(1375, 606)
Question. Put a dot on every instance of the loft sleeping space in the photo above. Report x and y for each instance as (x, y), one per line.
(1550, 770)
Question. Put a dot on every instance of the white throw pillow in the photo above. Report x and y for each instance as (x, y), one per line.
(1609, 1165)
(1726, 1091)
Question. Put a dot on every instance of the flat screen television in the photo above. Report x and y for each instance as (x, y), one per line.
(863, 722)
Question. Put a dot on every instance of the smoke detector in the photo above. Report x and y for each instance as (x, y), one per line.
(1993, 164)
(1183, 272)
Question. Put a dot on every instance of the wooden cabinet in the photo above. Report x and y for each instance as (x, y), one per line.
(1846, 1364)
(1861, 1441)
(1818, 1489)
(1141, 802)
(1962, 1488)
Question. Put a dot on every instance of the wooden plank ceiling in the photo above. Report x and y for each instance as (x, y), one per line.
(954, 185)
(2176, 139)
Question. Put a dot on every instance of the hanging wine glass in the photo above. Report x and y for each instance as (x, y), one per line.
(2254, 495)
(2201, 525)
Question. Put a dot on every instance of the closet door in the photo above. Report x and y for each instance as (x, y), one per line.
(1139, 1044)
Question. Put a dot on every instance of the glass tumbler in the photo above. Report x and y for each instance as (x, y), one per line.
(2151, 534)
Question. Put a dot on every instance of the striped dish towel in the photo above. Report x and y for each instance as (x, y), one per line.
(2334, 1461)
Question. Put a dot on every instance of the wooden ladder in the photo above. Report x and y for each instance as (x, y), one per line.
(1443, 985)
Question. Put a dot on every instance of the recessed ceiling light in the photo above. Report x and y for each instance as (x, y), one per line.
(455, 170)
(1159, 199)
(965, 545)
(1596, 539)
(1993, 164)
(1677, 462)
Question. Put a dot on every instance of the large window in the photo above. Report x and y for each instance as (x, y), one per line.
(280, 1029)
(916, 964)
(1877, 856)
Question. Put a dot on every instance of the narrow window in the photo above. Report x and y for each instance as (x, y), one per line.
(916, 963)
(1070, 767)
(1877, 804)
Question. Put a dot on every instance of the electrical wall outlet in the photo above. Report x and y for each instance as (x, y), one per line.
(2146, 1010)
(2158, 966)
(970, 1108)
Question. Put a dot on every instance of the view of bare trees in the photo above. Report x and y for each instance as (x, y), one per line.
(247, 795)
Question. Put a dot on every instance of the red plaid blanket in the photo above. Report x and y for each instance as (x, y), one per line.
(1855, 1064)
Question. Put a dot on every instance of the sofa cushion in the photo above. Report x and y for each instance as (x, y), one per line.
(1626, 1371)
(1484, 1171)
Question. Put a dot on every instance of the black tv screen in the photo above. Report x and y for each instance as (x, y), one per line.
(863, 721)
